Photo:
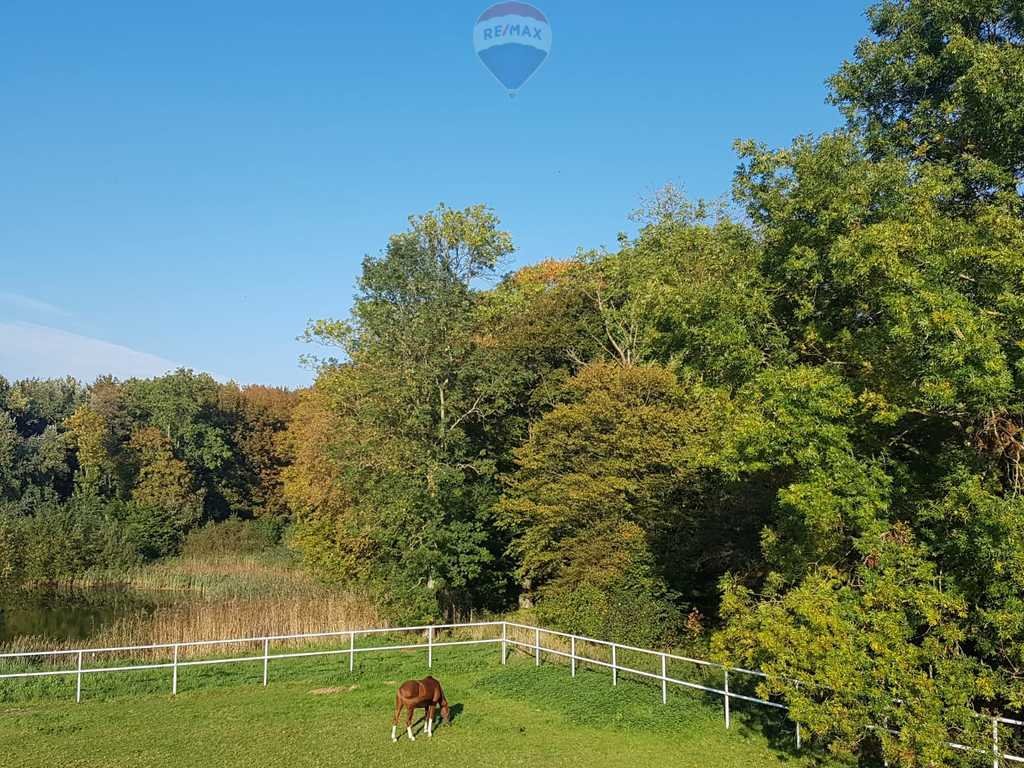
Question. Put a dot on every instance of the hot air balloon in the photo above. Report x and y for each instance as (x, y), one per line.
(512, 40)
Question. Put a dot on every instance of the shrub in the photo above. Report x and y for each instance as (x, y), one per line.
(233, 537)
(619, 612)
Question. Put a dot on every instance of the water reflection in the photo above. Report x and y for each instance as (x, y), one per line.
(68, 614)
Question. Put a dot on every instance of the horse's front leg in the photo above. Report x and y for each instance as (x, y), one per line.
(430, 719)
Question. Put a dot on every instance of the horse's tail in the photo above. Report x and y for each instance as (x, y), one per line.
(398, 708)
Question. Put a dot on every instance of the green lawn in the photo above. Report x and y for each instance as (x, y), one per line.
(314, 713)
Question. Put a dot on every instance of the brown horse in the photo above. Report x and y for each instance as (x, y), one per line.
(416, 694)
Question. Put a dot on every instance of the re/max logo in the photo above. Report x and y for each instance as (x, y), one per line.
(513, 30)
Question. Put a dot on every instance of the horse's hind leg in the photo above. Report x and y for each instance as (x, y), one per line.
(394, 720)
(408, 722)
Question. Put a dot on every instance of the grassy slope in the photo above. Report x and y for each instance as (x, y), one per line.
(315, 714)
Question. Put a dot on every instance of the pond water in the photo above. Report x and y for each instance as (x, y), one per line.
(67, 614)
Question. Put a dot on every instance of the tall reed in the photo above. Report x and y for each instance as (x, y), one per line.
(219, 597)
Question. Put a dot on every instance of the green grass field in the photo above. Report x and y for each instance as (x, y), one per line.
(315, 713)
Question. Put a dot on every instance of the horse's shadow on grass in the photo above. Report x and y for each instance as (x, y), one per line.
(453, 713)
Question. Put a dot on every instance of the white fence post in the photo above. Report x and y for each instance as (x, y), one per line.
(430, 647)
(504, 642)
(798, 740)
(78, 683)
(572, 654)
(536, 646)
(266, 660)
(664, 679)
(727, 699)
(351, 651)
(995, 742)
(174, 674)
(615, 666)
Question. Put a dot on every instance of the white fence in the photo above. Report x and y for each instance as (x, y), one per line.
(573, 649)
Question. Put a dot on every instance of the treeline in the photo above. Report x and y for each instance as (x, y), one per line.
(110, 475)
(793, 423)
(797, 420)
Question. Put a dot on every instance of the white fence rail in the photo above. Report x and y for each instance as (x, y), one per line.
(533, 646)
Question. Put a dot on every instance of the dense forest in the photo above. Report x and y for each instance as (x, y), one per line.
(107, 476)
(793, 421)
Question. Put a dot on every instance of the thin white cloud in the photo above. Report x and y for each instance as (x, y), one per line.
(18, 301)
(28, 350)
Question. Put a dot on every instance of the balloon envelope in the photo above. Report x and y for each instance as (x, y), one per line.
(512, 40)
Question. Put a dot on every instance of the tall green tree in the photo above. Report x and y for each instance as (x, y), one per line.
(942, 81)
(531, 334)
(890, 582)
(419, 481)
(602, 500)
(10, 441)
(686, 292)
(165, 489)
(255, 419)
(184, 406)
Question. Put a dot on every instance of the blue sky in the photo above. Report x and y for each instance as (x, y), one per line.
(188, 183)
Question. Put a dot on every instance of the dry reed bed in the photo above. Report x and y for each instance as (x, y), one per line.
(211, 598)
(200, 599)
(201, 620)
(213, 578)
(238, 619)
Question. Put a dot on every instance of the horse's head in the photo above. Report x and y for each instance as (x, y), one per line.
(445, 711)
